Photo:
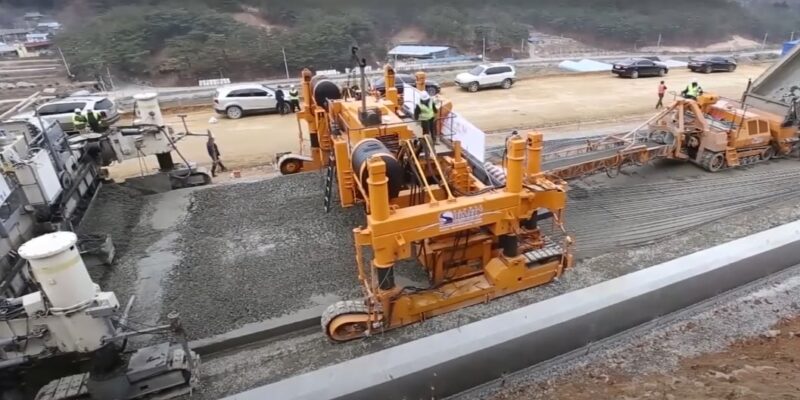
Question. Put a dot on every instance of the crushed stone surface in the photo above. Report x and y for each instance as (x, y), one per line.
(310, 350)
(259, 250)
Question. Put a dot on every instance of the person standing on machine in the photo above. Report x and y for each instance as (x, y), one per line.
(693, 91)
(281, 102)
(425, 113)
(294, 99)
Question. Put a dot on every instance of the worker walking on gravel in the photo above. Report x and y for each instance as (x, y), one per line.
(294, 99)
(425, 113)
(693, 91)
(78, 120)
(213, 152)
(662, 90)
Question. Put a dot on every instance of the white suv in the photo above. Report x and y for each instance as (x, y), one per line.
(236, 100)
(61, 110)
(491, 75)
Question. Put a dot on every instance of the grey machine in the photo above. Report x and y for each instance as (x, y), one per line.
(72, 316)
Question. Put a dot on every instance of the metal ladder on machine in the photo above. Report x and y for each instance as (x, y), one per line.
(330, 178)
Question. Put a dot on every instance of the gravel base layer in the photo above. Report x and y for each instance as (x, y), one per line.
(667, 240)
(659, 346)
(254, 251)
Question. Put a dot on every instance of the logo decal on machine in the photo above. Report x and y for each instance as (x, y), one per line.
(458, 218)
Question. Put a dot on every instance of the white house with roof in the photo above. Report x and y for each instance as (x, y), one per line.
(422, 52)
(50, 27)
(37, 37)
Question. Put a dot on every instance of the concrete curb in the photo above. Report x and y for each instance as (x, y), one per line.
(451, 362)
(259, 331)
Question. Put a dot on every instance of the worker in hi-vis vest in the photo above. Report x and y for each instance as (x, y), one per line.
(294, 99)
(693, 91)
(78, 120)
(425, 113)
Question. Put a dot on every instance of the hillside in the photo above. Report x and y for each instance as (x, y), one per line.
(188, 39)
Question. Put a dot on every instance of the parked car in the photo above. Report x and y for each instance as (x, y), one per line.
(61, 110)
(399, 79)
(709, 64)
(484, 76)
(639, 67)
(236, 101)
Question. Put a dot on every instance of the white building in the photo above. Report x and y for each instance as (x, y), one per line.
(37, 37)
(50, 27)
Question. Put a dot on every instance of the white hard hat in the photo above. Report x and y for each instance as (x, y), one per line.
(77, 110)
(424, 96)
(292, 86)
(213, 120)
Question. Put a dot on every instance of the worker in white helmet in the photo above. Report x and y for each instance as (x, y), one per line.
(78, 120)
(294, 99)
(425, 112)
(693, 91)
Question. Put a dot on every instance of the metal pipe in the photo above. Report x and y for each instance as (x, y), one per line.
(13, 362)
(534, 162)
(438, 167)
(378, 189)
(516, 146)
(21, 105)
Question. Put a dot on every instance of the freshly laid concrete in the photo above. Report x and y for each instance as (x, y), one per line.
(452, 361)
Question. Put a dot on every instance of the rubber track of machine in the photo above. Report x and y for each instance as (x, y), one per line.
(341, 308)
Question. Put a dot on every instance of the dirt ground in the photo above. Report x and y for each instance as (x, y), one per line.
(535, 103)
(763, 367)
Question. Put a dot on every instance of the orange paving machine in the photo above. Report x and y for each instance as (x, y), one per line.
(476, 238)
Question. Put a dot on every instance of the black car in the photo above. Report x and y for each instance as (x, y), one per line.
(637, 67)
(709, 64)
(399, 79)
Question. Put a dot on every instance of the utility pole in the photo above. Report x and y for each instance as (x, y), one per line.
(764, 43)
(792, 38)
(659, 42)
(483, 57)
(285, 64)
(110, 79)
(64, 60)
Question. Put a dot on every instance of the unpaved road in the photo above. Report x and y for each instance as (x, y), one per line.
(756, 368)
(540, 102)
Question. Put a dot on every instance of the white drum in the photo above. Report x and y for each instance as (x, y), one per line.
(59, 269)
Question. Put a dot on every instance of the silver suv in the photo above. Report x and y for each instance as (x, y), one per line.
(61, 110)
(237, 100)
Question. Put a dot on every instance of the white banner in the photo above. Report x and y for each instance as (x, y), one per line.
(472, 139)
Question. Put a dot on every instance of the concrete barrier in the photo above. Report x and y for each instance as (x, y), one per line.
(453, 361)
